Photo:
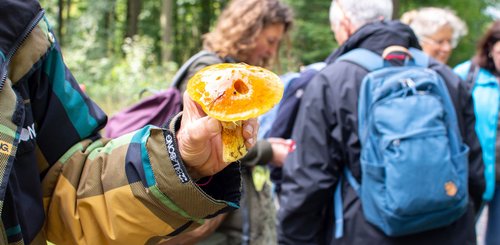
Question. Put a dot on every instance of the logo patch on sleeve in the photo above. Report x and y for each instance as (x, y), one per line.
(175, 159)
(5, 148)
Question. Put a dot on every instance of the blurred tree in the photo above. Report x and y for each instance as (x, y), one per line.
(60, 19)
(107, 35)
(395, 12)
(312, 39)
(133, 11)
(206, 15)
(167, 27)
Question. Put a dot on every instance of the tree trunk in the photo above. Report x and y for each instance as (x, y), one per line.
(68, 11)
(167, 28)
(206, 16)
(60, 21)
(395, 9)
(133, 11)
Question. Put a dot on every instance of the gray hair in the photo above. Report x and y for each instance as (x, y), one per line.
(427, 21)
(361, 12)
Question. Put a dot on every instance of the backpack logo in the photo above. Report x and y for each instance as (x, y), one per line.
(5, 148)
(411, 148)
(451, 188)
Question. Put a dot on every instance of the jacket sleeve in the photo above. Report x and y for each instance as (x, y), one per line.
(310, 172)
(477, 182)
(462, 69)
(260, 154)
(131, 190)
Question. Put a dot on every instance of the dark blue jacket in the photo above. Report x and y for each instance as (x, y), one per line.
(287, 112)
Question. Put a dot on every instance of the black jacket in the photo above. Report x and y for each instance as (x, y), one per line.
(327, 140)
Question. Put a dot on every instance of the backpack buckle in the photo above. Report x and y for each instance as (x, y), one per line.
(408, 82)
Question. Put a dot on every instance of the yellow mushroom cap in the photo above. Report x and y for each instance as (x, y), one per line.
(233, 92)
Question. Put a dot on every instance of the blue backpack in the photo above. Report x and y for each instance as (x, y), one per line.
(414, 164)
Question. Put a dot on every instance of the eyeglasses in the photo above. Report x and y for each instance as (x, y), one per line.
(453, 43)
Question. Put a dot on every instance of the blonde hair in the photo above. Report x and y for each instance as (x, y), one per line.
(427, 21)
(241, 22)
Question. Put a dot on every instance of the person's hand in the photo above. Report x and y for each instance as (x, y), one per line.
(281, 148)
(199, 140)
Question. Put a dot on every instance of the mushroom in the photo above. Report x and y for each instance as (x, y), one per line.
(231, 93)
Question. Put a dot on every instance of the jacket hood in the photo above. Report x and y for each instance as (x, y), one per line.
(16, 18)
(376, 37)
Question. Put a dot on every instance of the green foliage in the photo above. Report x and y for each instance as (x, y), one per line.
(192, 20)
(312, 39)
(115, 69)
(149, 24)
(116, 82)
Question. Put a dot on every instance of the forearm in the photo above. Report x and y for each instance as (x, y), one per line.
(105, 190)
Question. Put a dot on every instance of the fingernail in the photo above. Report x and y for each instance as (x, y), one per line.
(249, 129)
(292, 146)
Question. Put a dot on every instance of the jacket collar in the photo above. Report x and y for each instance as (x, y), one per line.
(485, 77)
(376, 37)
(18, 18)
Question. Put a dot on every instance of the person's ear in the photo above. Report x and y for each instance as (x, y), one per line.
(332, 27)
(347, 25)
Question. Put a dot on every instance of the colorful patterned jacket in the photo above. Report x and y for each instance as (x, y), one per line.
(59, 180)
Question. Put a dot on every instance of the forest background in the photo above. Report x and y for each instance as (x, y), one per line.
(118, 48)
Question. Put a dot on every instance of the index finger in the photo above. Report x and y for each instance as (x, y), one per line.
(250, 130)
(191, 108)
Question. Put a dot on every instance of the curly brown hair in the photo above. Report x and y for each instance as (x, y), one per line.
(241, 22)
(485, 46)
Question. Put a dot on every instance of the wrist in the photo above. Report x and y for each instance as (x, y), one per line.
(195, 175)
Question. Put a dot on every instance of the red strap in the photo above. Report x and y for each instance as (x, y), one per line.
(207, 182)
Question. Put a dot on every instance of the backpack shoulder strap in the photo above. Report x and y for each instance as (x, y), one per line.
(419, 57)
(364, 58)
(471, 75)
(181, 73)
(337, 200)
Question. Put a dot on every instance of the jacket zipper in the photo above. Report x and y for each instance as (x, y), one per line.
(17, 45)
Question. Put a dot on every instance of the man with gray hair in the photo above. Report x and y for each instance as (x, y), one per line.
(327, 140)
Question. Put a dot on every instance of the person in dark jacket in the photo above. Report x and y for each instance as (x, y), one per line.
(327, 139)
(60, 181)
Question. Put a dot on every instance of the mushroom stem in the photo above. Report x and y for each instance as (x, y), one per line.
(233, 145)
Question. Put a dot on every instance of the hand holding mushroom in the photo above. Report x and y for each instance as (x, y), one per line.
(199, 140)
(232, 95)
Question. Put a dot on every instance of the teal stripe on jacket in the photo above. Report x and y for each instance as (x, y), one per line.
(13, 230)
(140, 137)
(74, 104)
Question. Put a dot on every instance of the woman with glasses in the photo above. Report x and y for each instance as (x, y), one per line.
(438, 30)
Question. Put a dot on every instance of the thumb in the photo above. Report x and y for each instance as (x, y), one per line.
(202, 130)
